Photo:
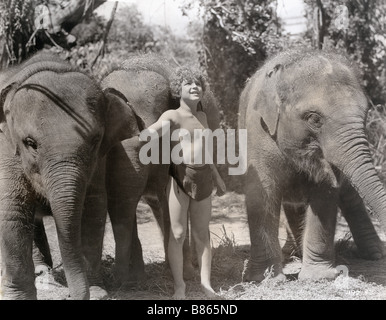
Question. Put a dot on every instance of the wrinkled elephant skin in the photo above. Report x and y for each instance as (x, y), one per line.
(307, 151)
(56, 127)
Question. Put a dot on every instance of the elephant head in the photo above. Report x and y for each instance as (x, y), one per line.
(313, 107)
(57, 125)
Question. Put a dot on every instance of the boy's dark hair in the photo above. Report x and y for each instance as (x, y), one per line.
(185, 73)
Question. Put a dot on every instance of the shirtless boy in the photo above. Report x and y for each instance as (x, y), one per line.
(190, 186)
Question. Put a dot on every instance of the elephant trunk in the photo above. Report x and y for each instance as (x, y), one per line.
(66, 183)
(353, 158)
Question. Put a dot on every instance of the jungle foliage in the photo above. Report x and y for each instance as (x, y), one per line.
(229, 40)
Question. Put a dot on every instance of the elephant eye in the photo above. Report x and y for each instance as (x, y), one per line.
(95, 141)
(314, 119)
(30, 143)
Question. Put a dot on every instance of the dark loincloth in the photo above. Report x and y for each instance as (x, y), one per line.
(195, 181)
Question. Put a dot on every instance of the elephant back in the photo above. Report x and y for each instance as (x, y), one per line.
(41, 61)
(150, 62)
(12, 79)
(147, 92)
(159, 65)
(144, 79)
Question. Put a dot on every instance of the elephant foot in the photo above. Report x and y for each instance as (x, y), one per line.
(189, 271)
(130, 275)
(317, 272)
(97, 293)
(128, 285)
(127, 282)
(271, 268)
(371, 249)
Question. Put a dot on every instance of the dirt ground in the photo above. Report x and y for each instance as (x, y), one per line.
(366, 280)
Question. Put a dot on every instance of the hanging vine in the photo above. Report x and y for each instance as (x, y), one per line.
(16, 27)
(28, 25)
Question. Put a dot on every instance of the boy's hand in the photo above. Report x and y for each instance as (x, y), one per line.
(218, 181)
(221, 188)
(220, 185)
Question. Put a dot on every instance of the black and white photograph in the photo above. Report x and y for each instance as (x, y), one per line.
(203, 152)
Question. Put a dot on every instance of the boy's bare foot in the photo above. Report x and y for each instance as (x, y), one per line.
(179, 292)
(209, 292)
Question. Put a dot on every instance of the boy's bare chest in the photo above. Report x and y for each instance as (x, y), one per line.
(193, 123)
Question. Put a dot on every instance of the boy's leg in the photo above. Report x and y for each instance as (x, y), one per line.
(178, 210)
(200, 214)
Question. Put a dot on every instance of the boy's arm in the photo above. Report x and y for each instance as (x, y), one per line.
(218, 181)
(166, 120)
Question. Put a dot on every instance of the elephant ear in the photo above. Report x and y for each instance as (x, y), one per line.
(270, 101)
(6, 95)
(121, 121)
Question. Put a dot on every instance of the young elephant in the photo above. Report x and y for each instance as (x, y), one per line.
(142, 81)
(307, 150)
(56, 127)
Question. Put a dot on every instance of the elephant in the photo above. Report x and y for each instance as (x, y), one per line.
(304, 112)
(56, 127)
(142, 81)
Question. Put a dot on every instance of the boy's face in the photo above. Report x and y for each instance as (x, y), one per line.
(191, 90)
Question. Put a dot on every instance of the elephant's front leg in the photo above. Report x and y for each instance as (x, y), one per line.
(319, 232)
(295, 213)
(365, 236)
(41, 250)
(263, 209)
(129, 266)
(16, 237)
(125, 181)
(93, 228)
(158, 203)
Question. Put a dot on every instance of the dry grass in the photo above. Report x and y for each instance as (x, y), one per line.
(342, 288)
(227, 267)
(366, 280)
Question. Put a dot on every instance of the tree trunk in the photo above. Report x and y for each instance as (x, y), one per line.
(68, 13)
(50, 23)
(101, 50)
(319, 25)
